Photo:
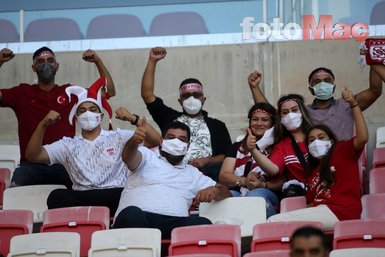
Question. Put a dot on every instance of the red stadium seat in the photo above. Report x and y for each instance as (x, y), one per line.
(272, 253)
(377, 180)
(378, 157)
(373, 206)
(293, 203)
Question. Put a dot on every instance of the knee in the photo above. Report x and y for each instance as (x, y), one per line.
(130, 216)
(55, 198)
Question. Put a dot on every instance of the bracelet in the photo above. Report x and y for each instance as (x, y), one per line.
(352, 106)
(136, 120)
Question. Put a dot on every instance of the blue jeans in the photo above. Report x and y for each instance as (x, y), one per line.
(270, 197)
(29, 173)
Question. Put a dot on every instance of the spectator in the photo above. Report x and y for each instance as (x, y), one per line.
(239, 170)
(32, 102)
(309, 242)
(210, 138)
(333, 191)
(93, 160)
(161, 188)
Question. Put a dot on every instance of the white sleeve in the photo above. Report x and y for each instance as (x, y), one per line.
(56, 152)
(201, 181)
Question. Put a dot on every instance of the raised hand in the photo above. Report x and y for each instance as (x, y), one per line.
(140, 132)
(6, 55)
(251, 140)
(348, 96)
(123, 114)
(90, 56)
(51, 118)
(157, 53)
(254, 79)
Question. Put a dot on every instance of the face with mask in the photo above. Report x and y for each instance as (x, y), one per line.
(319, 143)
(291, 116)
(174, 146)
(322, 85)
(192, 101)
(45, 66)
(88, 116)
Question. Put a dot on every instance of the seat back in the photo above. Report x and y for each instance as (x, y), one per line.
(377, 16)
(380, 133)
(12, 223)
(292, 203)
(358, 252)
(178, 23)
(217, 238)
(276, 235)
(377, 180)
(140, 242)
(115, 26)
(204, 255)
(359, 233)
(8, 32)
(378, 159)
(272, 253)
(373, 206)
(9, 156)
(51, 29)
(32, 198)
(55, 244)
(84, 220)
(5, 177)
(223, 212)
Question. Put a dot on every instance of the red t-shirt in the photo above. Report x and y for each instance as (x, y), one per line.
(284, 157)
(31, 104)
(343, 197)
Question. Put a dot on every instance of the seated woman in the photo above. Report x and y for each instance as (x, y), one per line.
(240, 172)
(333, 192)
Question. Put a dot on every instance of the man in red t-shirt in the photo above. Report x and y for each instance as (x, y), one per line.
(32, 102)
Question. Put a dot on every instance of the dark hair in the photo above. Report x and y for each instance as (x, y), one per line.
(40, 50)
(280, 131)
(309, 231)
(176, 125)
(325, 174)
(190, 80)
(266, 107)
(319, 69)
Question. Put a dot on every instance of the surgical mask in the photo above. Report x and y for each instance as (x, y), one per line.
(46, 72)
(89, 120)
(319, 148)
(323, 90)
(192, 105)
(292, 120)
(174, 147)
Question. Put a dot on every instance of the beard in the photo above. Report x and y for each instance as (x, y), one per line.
(172, 159)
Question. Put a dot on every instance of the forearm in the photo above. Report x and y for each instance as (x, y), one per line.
(222, 192)
(148, 80)
(275, 184)
(216, 159)
(362, 134)
(229, 179)
(152, 138)
(34, 148)
(258, 96)
(131, 156)
(368, 96)
(266, 165)
(103, 72)
(380, 70)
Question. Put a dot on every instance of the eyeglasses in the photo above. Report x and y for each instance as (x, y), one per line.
(196, 95)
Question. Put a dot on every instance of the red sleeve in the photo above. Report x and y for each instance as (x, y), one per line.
(9, 96)
(277, 156)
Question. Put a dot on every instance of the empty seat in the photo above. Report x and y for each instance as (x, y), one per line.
(32, 198)
(5, 176)
(55, 244)
(178, 23)
(138, 242)
(377, 180)
(217, 238)
(8, 32)
(373, 206)
(83, 220)
(359, 233)
(293, 203)
(378, 157)
(276, 235)
(51, 29)
(223, 212)
(377, 16)
(380, 133)
(272, 253)
(204, 255)
(12, 223)
(9, 156)
(115, 26)
(358, 252)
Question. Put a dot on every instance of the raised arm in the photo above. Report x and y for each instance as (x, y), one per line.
(147, 87)
(5, 56)
(254, 80)
(152, 138)
(367, 97)
(131, 156)
(359, 120)
(91, 56)
(35, 152)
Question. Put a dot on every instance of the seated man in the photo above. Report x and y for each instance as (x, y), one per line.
(161, 188)
(93, 160)
(309, 241)
(210, 138)
(32, 102)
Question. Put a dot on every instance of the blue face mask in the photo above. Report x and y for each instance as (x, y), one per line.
(323, 90)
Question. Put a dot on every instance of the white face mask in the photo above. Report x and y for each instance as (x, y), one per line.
(89, 120)
(319, 148)
(174, 146)
(192, 105)
(292, 121)
(323, 90)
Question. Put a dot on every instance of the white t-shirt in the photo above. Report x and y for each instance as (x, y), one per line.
(157, 186)
(93, 164)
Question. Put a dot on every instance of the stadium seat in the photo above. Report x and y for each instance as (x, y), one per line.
(203, 255)
(115, 26)
(377, 180)
(380, 133)
(5, 176)
(377, 16)
(126, 242)
(32, 198)
(276, 235)
(272, 253)
(223, 212)
(52, 29)
(178, 23)
(217, 238)
(83, 220)
(9, 156)
(359, 233)
(293, 203)
(358, 252)
(12, 223)
(8, 32)
(55, 244)
(378, 157)
(373, 206)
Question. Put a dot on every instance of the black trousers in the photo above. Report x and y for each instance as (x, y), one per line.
(110, 197)
(134, 217)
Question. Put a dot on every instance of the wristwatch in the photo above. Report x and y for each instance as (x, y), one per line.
(238, 183)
